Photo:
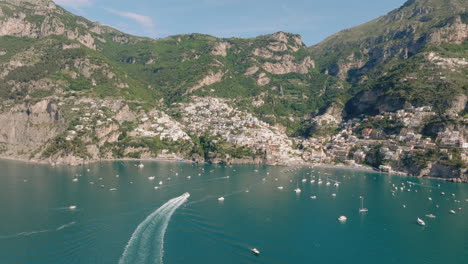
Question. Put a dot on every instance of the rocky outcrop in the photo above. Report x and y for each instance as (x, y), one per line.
(263, 79)
(221, 48)
(210, 79)
(287, 65)
(455, 32)
(26, 128)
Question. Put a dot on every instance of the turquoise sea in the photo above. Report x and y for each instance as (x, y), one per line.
(121, 218)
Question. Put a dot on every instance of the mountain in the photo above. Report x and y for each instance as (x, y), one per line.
(75, 91)
(395, 58)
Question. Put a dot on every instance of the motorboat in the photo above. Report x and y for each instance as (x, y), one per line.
(430, 216)
(328, 183)
(221, 199)
(421, 222)
(280, 187)
(72, 207)
(151, 178)
(113, 189)
(342, 218)
(304, 180)
(313, 197)
(75, 180)
(141, 166)
(333, 194)
(160, 182)
(297, 190)
(255, 251)
(452, 212)
(430, 199)
(312, 181)
(336, 184)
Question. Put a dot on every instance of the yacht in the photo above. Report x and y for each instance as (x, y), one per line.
(297, 190)
(255, 251)
(421, 222)
(342, 218)
(430, 216)
(151, 178)
(362, 209)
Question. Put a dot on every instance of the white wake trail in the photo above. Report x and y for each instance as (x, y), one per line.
(147, 242)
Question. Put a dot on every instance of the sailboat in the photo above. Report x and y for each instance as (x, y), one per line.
(362, 209)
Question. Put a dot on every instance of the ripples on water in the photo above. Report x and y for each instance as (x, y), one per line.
(129, 224)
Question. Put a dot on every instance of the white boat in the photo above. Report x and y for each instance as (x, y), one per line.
(113, 189)
(362, 209)
(304, 180)
(221, 199)
(141, 166)
(280, 187)
(442, 193)
(342, 218)
(189, 177)
(75, 180)
(452, 212)
(421, 222)
(336, 184)
(313, 197)
(160, 183)
(255, 251)
(312, 181)
(156, 187)
(72, 207)
(320, 182)
(404, 206)
(297, 190)
(333, 194)
(430, 199)
(430, 216)
(151, 178)
(328, 183)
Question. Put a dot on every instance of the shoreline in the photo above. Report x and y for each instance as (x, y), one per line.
(360, 168)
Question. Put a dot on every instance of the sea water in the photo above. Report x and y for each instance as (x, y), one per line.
(124, 216)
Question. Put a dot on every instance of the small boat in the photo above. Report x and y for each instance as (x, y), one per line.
(151, 178)
(304, 180)
(328, 183)
(141, 166)
(442, 193)
(156, 187)
(452, 212)
(333, 194)
(430, 216)
(342, 218)
(72, 207)
(255, 251)
(75, 180)
(421, 222)
(280, 187)
(404, 206)
(113, 189)
(297, 190)
(189, 177)
(362, 209)
(320, 182)
(160, 182)
(312, 181)
(313, 197)
(336, 184)
(221, 199)
(430, 199)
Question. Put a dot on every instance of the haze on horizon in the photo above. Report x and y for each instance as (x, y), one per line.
(314, 20)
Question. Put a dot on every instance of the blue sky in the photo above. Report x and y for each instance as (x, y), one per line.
(313, 19)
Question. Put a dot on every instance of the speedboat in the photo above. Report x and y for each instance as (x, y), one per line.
(72, 207)
(141, 166)
(430, 216)
(151, 178)
(221, 199)
(304, 180)
(297, 190)
(430, 199)
(342, 218)
(333, 194)
(313, 197)
(336, 184)
(255, 251)
(75, 180)
(113, 189)
(421, 222)
(280, 187)
(452, 212)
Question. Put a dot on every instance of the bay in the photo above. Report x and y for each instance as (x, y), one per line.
(37, 225)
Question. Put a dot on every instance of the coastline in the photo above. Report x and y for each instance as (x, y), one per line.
(360, 168)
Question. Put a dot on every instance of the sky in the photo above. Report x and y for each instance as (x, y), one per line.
(314, 20)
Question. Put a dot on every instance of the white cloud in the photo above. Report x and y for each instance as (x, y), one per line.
(145, 21)
(75, 4)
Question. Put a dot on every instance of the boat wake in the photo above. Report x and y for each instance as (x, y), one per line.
(25, 234)
(147, 242)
